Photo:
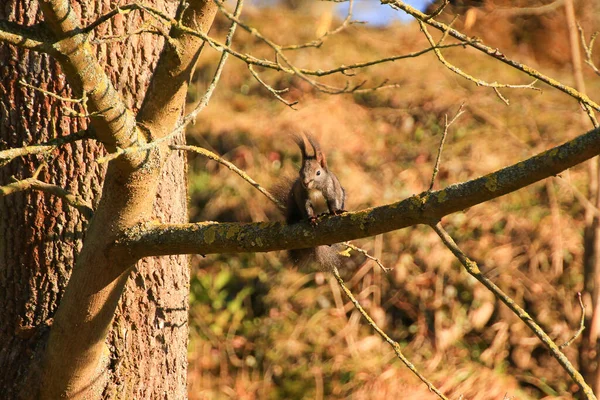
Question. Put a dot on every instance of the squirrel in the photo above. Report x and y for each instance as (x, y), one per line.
(317, 189)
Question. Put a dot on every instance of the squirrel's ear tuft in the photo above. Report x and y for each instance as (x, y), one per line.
(316, 150)
(299, 139)
(318, 154)
(309, 147)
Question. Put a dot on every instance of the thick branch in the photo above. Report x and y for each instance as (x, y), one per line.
(116, 124)
(168, 88)
(424, 208)
(87, 307)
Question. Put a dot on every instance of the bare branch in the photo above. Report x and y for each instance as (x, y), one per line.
(319, 41)
(345, 68)
(120, 9)
(280, 54)
(274, 92)
(71, 199)
(424, 208)
(36, 37)
(588, 48)
(251, 60)
(7, 155)
(442, 140)
(231, 166)
(20, 185)
(385, 337)
(370, 257)
(438, 10)
(191, 117)
(495, 53)
(84, 73)
(590, 112)
(80, 100)
(581, 324)
(33, 183)
(145, 28)
(381, 86)
(474, 270)
(460, 72)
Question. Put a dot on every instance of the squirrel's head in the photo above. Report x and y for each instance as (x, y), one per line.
(314, 165)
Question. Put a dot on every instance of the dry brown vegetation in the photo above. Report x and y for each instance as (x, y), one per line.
(262, 329)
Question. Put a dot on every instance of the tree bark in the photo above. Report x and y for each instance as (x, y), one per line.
(40, 236)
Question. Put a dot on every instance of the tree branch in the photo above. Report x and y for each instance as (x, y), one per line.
(474, 270)
(424, 208)
(460, 72)
(86, 310)
(28, 37)
(8, 155)
(168, 87)
(34, 183)
(232, 167)
(384, 336)
(494, 53)
(447, 124)
(115, 126)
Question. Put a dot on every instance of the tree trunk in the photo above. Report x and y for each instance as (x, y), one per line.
(40, 236)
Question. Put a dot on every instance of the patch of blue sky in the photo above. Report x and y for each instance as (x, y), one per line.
(375, 13)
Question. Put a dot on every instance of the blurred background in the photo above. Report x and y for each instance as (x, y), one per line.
(262, 329)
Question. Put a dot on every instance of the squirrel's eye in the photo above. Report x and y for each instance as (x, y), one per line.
(318, 172)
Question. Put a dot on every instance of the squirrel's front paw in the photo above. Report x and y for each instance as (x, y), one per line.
(314, 220)
(338, 212)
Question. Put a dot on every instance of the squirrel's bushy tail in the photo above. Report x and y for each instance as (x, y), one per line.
(325, 258)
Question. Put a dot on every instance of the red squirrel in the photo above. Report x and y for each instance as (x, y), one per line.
(316, 190)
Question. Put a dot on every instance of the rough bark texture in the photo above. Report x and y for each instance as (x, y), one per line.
(40, 236)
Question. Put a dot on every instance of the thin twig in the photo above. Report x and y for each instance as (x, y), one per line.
(438, 10)
(274, 92)
(221, 160)
(280, 54)
(34, 183)
(590, 112)
(7, 155)
(71, 199)
(319, 41)
(581, 324)
(460, 72)
(69, 112)
(492, 52)
(384, 336)
(80, 100)
(445, 33)
(381, 86)
(447, 124)
(588, 48)
(473, 269)
(370, 257)
(252, 60)
(145, 28)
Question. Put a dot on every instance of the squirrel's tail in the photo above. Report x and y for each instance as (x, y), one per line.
(325, 258)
